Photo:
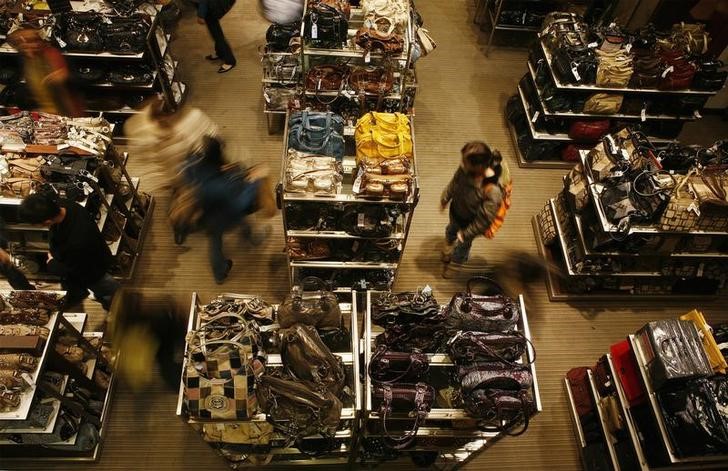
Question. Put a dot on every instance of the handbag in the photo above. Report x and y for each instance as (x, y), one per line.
(603, 103)
(468, 347)
(387, 366)
(131, 75)
(426, 42)
(298, 409)
(277, 98)
(312, 249)
(377, 184)
(709, 189)
(396, 11)
(307, 358)
(278, 37)
(421, 337)
(379, 141)
(316, 132)
(416, 399)
(326, 77)
(125, 35)
(241, 433)
(367, 221)
(589, 131)
(311, 173)
(482, 313)
(318, 308)
(325, 26)
(682, 211)
(404, 308)
(371, 38)
(79, 31)
(377, 81)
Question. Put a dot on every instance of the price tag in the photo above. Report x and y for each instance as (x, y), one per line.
(628, 47)
(625, 154)
(701, 267)
(360, 220)
(592, 45)
(356, 187)
(667, 71)
(61, 42)
(106, 19)
(643, 115)
(535, 116)
(697, 114)
(427, 291)
(266, 96)
(314, 31)
(576, 73)
(368, 57)
(87, 190)
(296, 103)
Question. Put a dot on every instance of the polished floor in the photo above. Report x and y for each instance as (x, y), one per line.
(461, 98)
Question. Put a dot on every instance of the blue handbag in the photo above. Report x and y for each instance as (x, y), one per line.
(317, 132)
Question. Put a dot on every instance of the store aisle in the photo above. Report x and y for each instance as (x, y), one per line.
(461, 98)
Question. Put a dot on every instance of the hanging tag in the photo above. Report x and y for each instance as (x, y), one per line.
(61, 42)
(266, 96)
(694, 208)
(535, 116)
(576, 73)
(592, 45)
(643, 115)
(701, 267)
(106, 19)
(314, 31)
(356, 187)
(360, 220)
(697, 114)
(667, 71)
(427, 291)
(628, 47)
(87, 190)
(368, 57)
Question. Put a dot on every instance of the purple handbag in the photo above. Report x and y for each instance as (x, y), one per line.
(388, 366)
(482, 313)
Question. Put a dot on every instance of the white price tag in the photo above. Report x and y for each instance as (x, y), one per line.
(360, 220)
(628, 47)
(314, 31)
(625, 154)
(667, 71)
(296, 103)
(535, 116)
(368, 57)
(643, 115)
(266, 96)
(697, 114)
(356, 187)
(592, 45)
(61, 42)
(427, 291)
(106, 19)
(701, 267)
(576, 73)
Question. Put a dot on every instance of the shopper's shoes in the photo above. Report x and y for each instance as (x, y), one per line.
(212, 57)
(225, 68)
(229, 267)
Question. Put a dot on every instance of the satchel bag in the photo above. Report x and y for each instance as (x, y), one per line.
(298, 409)
(603, 103)
(468, 347)
(482, 313)
(416, 399)
(79, 31)
(325, 26)
(374, 184)
(377, 81)
(396, 11)
(404, 308)
(367, 220)
(387, 366)
(498, 395)
(710, 189)
(319, 133)
(420, 337)
(126, 35)
(131, 75)
(307, 358)
(682, 211)
(317, 174)
(426, 42)
(312, 249)
(371, 39)
(318, 308)
(278, 37)
(326, 77)
(577, 193)
(240, 433)
(589, 131)
(277, 98)
(382, 144)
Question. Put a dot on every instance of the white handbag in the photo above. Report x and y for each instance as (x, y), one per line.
(317, 174)
(396, 10)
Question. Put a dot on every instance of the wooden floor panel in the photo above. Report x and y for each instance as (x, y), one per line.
(461, 98)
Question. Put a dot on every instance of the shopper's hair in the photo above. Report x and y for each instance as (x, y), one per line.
(38, 208)
(477, 154)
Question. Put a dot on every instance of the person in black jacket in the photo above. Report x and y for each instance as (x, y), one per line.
(78, 252)
(209, 12)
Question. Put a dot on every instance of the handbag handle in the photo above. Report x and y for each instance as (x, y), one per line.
(381, 351)
(420, 412)
(493, 353)
(505, 428)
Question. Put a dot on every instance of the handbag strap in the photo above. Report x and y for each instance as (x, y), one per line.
(488, 349)
(420, 412)
(505, 428)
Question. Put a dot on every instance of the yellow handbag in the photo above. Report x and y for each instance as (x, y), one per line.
(383, 145)
(717, 361)
(387, 122)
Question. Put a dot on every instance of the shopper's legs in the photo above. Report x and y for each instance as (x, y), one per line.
(222, 48)
(451, 234)
(220, 265)
(104, 290)
(75, 293)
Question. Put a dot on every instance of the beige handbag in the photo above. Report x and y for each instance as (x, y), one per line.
(603, 103)
(396, 10)
(242, 433)
(577, 193)
(318, 174)
(682, 211)
(427, 44)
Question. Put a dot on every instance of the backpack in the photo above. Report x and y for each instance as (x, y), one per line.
(506, 184)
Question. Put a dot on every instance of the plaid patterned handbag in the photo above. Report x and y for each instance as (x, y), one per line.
(219, 377)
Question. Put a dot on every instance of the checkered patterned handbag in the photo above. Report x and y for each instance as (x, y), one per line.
(219, 379)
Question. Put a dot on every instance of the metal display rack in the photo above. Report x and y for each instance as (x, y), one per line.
(401, 98)
(131, 213)
(489, 12)
(533, 103)
(627, 271)
(165, 82)
(346, 196)
(456, 444)
(11, 446)
(345, 454)
(648, 455)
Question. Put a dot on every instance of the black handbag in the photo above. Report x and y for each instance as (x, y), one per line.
(413, 338)
(79, 31)
(404, 308)
(367, 220)
(416, 399)
(279, 37)
(126, 35)
(468, 347)
(89, 73)
(131, 75)
(387, 366)
(325, 26)
(482, 313)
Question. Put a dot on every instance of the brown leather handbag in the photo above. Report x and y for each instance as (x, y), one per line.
(373, 39)
(307, 358)
(319, 308)
(416, 399)
(326, 78)
(371, 80)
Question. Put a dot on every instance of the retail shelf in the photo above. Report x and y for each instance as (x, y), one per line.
(351, 52)
(523, 163)
(657, 412)
(135, 182)
(586, 88)
(91, 362)
(595, 190)
(104, 212)
(123, 86)
(114, 246)
(344, 265)
(27, 396)
(268, 80)
(338, 235)
(274, 359)
(603, 422)
(570, 114)
(574, 416)
(76, 319)
(51, 419)
(9, 50)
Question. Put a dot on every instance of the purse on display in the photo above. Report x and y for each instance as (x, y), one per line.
(131, 75)
(376, 184)
(240, 433)
(378, 35)
(387, 366)
(421, 337)
(397, 11)
(325, 26)
(307, 358)
(302, 249)
(311, 173)
(589, 131)
(318, 308)
(316, 132)
(79, 31)
(377, 81)
(278, 37)
(278, 98)
(603, 103)
(367, 220)
(126, 35)
(404, 308)
(326, 78)
(414, 399)
(469, 347)
(482, 313)
(382, 136)
(682, 211)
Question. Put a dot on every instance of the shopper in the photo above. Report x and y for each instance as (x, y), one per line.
(210, 12)
(476, 194)
(78, 252)
(226, 195)
(46, 73)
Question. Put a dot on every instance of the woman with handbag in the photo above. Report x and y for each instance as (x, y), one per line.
(478, 195)
(210, 12)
